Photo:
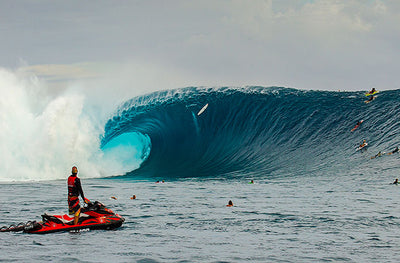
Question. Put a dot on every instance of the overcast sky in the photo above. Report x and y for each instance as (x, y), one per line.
(320, 44)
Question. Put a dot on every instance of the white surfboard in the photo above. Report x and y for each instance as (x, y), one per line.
(202, 109)
(361, 147)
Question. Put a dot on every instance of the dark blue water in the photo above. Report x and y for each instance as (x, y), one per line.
(253, 131)
(315, 199)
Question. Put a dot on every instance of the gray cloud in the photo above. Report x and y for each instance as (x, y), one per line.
(321, 44)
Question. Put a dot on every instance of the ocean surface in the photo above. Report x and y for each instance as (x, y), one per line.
(314, 198)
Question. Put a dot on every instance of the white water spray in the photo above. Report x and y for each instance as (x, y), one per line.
(43, 135)
(45, 130)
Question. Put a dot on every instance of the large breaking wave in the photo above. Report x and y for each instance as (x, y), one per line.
(251, 132)
(254, 132)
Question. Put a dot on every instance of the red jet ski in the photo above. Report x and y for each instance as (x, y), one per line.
(93, 216)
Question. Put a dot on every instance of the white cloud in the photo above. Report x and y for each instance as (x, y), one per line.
(60, 72)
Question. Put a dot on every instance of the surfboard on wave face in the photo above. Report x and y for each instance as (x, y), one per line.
(202, 109)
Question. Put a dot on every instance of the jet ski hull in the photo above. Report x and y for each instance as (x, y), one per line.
(95, 216)
(106, 223)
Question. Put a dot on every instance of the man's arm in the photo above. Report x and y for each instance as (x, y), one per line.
(79, 186)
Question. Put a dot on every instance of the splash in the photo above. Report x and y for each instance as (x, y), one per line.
(44, 132)
(42, 135)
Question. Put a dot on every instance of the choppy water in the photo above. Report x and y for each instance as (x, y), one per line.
(353, 218)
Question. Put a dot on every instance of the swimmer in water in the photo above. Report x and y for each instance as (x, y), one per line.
(364, 143)
(394, 151)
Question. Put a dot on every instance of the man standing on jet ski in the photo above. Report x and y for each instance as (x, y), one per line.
(74, 190)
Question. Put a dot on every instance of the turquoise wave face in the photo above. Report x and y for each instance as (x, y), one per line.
(251, 131)
(127, 151)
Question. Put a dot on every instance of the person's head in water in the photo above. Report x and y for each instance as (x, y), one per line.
(230, 203)
(74, 170)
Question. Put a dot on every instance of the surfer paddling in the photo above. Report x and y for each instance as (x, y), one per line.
(396, 150)
(379, 154)
(372, 91)
(362, 145)
(357, 125)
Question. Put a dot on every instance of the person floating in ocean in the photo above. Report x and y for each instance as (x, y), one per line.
(251, 182)
(113, 197)
(396, 181)
(230, 203)
(74, 190)
(133, 197)
(357, 125)
(379, 154)
(394, 151)
(362, 146)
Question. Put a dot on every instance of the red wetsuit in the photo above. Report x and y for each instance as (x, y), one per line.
(74, 190)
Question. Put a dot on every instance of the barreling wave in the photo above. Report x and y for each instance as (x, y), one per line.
(253, 131)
